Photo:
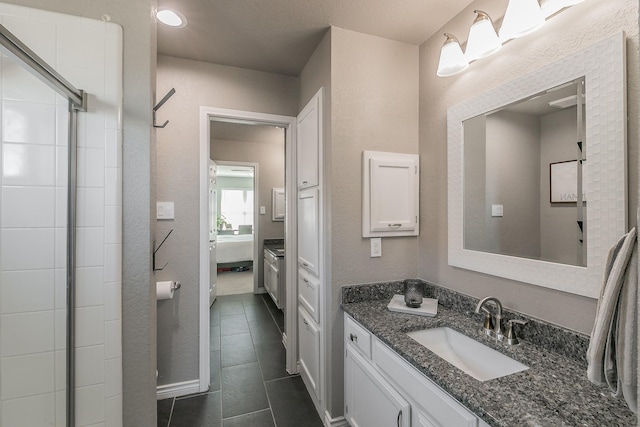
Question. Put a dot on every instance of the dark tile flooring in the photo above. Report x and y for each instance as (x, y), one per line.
(249, 384)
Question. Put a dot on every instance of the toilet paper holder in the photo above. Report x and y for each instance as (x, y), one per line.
(176, 285)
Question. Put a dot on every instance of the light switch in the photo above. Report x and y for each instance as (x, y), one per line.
(497, 210)
(376, 247)
(164, 210)
(263, 210)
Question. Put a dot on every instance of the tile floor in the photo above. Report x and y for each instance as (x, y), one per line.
(249, 385)
(235, 282)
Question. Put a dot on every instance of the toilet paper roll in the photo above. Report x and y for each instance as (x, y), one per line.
(164, 290)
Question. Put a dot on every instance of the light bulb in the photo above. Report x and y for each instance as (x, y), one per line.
(452, 60)
(171, 18)
(483, 40)
(521, 18)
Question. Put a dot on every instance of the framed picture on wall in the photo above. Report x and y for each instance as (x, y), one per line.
(563, 182)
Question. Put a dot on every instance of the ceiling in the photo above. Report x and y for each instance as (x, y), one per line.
(279, 36)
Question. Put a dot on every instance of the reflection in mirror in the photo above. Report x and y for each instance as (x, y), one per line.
(521, 186)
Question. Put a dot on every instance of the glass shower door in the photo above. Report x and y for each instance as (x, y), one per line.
(33, 250)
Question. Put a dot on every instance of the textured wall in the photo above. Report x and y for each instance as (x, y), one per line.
(572, 30)
(374, 103)
(197, 84)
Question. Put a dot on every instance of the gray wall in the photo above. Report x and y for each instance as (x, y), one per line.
(513, 181)
(197, 84)
(269, 154)
(559, 232)
(371, 103)
(568, 32)
(138, 296)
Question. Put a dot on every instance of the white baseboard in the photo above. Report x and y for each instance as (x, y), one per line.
(177, 389)
(334, 422)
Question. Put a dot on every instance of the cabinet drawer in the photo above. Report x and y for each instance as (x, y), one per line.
(442, 408)
(308, 294)
(357, 336)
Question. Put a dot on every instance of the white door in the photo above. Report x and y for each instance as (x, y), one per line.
(369, 400)
(213, 231)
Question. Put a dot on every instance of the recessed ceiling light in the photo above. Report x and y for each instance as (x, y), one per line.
(171, 18)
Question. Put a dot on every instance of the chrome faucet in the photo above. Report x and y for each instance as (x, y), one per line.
(492, 327)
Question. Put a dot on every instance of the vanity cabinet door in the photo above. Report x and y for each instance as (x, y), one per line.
(369, 400)
(266, 277)
(309, 230)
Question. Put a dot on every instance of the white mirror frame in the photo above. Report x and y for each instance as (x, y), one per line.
(604, 67)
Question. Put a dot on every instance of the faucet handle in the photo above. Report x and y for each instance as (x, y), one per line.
(487, 326)
(512, 338)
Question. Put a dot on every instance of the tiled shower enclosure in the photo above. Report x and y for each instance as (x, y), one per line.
(34, 130)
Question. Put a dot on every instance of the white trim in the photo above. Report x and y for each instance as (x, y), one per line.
(334, 422)
(604, 66)
(256, 214)
(177, 389)
(207, 114)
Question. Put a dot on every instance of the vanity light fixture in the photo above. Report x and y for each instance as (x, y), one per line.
(171, 18)
(550, 7)
(522, 17)
(483, 40)
(452, 59)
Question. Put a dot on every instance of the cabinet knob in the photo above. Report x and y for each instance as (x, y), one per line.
(353, 338)
(394, 225)
(399, 418)
(305, 321)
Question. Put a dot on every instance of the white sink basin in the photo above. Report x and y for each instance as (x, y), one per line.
(481, 362)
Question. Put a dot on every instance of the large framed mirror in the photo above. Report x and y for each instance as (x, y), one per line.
(537, 172)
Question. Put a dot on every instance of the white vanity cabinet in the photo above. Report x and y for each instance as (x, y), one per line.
(274, 282)
(427, 405)
(370, 401)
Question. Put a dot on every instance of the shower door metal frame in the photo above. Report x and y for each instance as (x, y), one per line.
(77, 98)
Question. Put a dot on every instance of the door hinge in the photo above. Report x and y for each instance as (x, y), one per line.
(416, 169)
(346, 409)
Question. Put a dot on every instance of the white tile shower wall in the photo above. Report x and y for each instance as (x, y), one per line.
(33, 157)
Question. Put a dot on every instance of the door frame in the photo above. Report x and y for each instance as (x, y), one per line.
(256, 211)
(207, 114)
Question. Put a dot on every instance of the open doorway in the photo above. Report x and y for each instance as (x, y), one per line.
(237, 227)
(236, 141)
(250, 159)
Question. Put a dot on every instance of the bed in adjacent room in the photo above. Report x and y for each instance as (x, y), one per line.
(234, 250)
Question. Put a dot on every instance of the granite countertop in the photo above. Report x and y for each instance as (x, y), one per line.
(554, 391)
(275, 246)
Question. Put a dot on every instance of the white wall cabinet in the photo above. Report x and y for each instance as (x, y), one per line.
(309, 230)
(308, 143)
(390, 199)
(427, 404)
(370, 401)
(309, 344)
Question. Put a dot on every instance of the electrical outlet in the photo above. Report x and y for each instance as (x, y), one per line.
(376, 247)
(497, 210)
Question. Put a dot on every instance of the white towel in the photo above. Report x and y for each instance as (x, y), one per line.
(612, 352)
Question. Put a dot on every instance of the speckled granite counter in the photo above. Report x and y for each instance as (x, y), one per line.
(554, 391)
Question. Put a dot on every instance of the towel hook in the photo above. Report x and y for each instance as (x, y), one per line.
(160, 104)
